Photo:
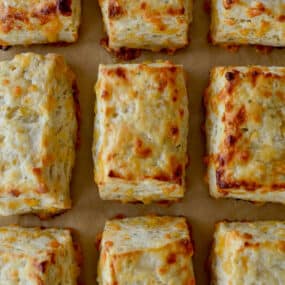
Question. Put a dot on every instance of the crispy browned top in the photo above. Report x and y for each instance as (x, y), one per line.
(248, 104)
(143, 123)
(32, 15)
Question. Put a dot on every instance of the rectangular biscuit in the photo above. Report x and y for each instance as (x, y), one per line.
(239, 22)
(245, 133)
(38, 133)
(248, 253)
(146, 250)
(140, 137)
(37, 256)
(25, 22)
(147, 24)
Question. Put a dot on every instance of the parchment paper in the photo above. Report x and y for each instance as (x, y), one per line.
(89, 213)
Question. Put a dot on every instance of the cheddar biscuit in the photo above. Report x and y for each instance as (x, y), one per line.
(248, 22)
(141, 126)
(248, 253)
(146, 250)
(147, 24)
(245, 133)
(37, 256)
(38, 133)
(25, 22)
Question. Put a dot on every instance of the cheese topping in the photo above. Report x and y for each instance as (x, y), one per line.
(25, 22)
(141, 128)
(248, 253)
(259, 22)
(37, 257)
(146, 250)
(246, 134)
(38, 129)
(147, 24)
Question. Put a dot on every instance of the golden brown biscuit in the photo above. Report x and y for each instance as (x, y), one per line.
(141, 126)
(147, 24)
(38, 133)
(25, 22)
(245, 133)
(248, 22)
(248, 253)
(37, 256)
(146, 250)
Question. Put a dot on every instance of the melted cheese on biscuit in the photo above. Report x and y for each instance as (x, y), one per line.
(38, 129)
(147, 24)
(25, 22)
(246, 133)
(37, 257)
(259, 22)
(248, 253)
(146, 250)
(141, 128)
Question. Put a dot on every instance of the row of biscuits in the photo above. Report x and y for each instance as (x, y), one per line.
(140, 133)
(143, 24)
(145, 250)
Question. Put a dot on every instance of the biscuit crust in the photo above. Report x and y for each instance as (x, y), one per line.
(248, 253)
(37, 256)
(152, 250)
(243, 22)
(245, 133)
(38, 134)
(140, 137)
(147, 24)
(26, 22)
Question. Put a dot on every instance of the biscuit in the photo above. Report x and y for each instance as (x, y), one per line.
(147, 24)
(140, 137)
(146, 250)
(26, 22)
(37, 256)
(38, 134)
(248, 253)
(248, 22)
(245, 133)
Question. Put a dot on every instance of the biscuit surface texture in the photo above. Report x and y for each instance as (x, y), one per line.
(38, 133)
(239, 22)
(146, 250)
(147, 24)
(25, 22)
(37, 256)
(141, 126)
(245, 133)
(248, 253)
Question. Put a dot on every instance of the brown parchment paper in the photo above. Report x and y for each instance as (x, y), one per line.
(89, 213)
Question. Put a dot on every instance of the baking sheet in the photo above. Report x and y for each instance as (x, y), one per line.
(89, 213)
